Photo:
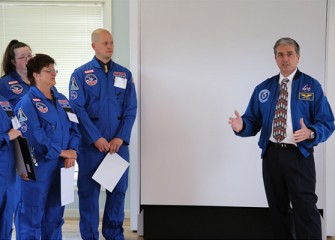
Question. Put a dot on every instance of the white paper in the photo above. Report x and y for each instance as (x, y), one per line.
(110, 171)
(15, 122)
(67, 185)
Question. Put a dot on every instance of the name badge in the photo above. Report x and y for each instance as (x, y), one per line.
(120, 82)
(72, 117)
(15, 122)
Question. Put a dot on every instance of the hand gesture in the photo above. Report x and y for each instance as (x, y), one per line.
(303, 133)
(236, 123)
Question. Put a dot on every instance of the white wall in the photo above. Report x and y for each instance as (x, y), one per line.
(200, 61)
(135, 139)
(253, 59)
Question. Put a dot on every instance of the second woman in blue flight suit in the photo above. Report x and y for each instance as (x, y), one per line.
(54, 140)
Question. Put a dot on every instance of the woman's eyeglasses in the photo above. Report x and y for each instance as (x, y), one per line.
(24, 57)
(50, 70)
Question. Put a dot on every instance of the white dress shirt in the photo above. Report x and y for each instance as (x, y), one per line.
(289, 128)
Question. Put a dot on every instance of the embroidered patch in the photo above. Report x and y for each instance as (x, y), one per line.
(6, 106)
(64, 103)
(119, 74)
(91, 79)
(263, 95)
(21, 116)
(16, 88)
(12, 82)
(306, 96)
(74, 85)
(306, 88)
(42, 107)
(24, 127)
(74, 95)
(89, 71)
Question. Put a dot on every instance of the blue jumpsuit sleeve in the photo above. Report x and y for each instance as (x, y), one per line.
(4, 139)
(323, 121)
(4, 128)
(252, 118)
(35, 134)
(78, 103)
(129, 113)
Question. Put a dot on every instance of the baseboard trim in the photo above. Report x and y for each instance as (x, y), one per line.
(202, 222)
(205, 222)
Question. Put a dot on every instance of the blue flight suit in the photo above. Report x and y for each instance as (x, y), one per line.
(13, 88)
(49, 131)
(106, 105)
(7, 171)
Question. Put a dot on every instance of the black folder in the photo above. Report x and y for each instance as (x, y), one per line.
(24, 160)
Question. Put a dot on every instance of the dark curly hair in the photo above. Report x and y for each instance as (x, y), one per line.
(35, 65)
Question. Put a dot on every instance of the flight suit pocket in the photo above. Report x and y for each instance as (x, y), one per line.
(120, 93)
(93, 104)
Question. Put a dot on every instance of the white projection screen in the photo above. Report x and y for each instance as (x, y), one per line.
(200, 61)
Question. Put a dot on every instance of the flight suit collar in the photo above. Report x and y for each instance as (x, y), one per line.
(102, 65)
(296, 76)
(39, 94)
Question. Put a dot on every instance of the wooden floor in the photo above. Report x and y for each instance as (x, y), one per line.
(71, 230)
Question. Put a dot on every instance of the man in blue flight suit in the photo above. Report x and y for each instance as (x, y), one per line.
(7, 168)
(103, 95)
(288, 162)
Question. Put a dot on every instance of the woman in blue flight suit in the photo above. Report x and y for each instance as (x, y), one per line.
(43, 113)
(14, 83)
(7, 168)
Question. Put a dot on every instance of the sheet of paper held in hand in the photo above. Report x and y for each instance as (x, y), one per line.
(67, 185)
(110, 171)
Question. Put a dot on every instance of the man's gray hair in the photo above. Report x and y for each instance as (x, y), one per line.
(287, 41)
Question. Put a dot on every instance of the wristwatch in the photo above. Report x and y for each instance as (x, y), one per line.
(312, 135)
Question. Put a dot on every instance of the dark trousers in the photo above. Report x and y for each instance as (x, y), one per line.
(290, 180)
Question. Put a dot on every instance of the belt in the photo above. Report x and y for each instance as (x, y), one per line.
(282, 145)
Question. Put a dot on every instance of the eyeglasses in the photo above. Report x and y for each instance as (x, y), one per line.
(25, 57)
(50, 70)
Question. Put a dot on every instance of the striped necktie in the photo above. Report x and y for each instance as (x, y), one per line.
(279, 120)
